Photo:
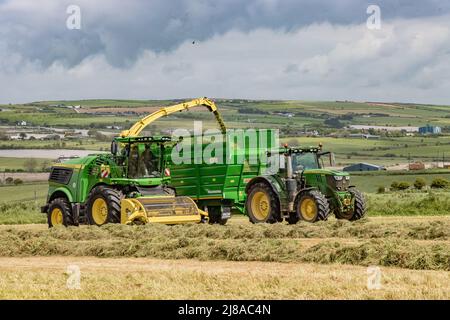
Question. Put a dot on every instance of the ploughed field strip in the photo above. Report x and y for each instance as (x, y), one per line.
(422, 244)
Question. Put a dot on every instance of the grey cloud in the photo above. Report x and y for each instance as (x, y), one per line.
(407, 60)
(122, 30)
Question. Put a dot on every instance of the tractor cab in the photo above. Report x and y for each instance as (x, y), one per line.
(311, 166)
(141, 157)
(310, 158)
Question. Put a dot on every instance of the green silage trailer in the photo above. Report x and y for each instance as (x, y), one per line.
(215, 174)
(251, 174)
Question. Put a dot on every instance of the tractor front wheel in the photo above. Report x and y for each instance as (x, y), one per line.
(59, 213)
(359, 207)
(262, 204)
(312, 206)
(103, 206)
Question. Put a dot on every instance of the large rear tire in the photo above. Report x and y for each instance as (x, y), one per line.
(103, 206)
(262, 204)
(59, 213)
(312, 206)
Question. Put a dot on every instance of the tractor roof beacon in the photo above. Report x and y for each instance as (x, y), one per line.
(129, 185)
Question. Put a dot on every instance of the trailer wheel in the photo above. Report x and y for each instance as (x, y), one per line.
(262, 204)
(103, 206)
(293, 218)
(312, 206)
(359, 207)
(59, 213)
(215, 215)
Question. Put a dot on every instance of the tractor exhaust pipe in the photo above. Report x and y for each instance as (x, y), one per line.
(291, 183)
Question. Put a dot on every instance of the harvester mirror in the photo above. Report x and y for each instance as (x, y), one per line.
(114, 147)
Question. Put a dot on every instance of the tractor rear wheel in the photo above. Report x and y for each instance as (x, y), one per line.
(59, 213)
(359, 207)
(312, 206)
(103, 206)
(262, 204)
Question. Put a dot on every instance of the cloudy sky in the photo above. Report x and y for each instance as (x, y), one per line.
(259, 49)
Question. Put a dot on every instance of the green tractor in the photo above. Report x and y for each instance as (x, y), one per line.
(303, 190)
(128, 185)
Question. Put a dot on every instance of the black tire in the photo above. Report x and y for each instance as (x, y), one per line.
(293, 218)
(359, 207)
(360, 204)
(64, 206)
(273, 215)
(322, 206)
(111, 197)
(215, 215)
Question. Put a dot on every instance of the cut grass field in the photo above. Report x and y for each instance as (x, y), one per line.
(412, 243)
(327, 260)
(146, 278)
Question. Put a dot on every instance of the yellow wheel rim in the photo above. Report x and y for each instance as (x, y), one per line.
(56, 217)
(260, 205)
(308, 209)
(99, 211)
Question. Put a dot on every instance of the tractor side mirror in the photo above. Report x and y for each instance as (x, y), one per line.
(114, 147)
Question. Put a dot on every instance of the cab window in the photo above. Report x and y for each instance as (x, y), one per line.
(304, 161)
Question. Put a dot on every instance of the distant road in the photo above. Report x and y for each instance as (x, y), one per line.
(45, 153)
(364, 127)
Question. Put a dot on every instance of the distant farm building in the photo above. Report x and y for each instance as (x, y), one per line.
(430, 130)
(363, 167)
(416, 166)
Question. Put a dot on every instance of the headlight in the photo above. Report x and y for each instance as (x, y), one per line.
(347, 177)
(338, 178)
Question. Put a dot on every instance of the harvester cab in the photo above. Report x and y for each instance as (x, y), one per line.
(303, 189)
(129, 185)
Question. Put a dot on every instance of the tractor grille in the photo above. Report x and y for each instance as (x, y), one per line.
(341, 185)
(60, 175)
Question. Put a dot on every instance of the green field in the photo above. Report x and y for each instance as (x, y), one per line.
(19, 163)
(237, 113)
(307, 112)
(84, 144)
(371, 182)
(25, 192)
